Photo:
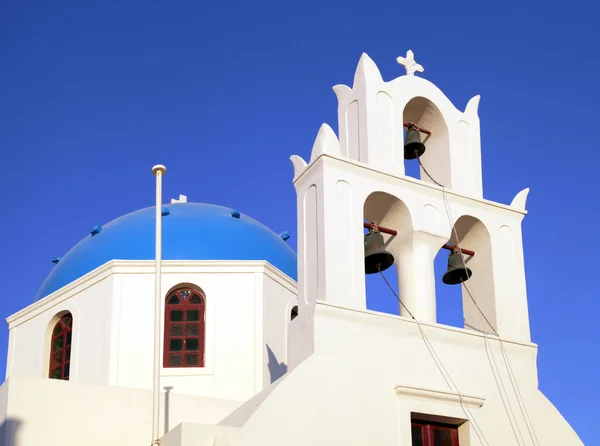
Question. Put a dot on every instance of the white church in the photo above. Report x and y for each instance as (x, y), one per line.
(259, 346)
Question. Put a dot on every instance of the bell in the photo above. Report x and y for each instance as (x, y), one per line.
(457, 270)
(376, 257)
(412, 143)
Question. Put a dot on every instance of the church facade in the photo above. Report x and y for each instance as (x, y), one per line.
(263, 346)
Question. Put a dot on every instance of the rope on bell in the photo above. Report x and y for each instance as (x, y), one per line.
(427, 173)
(396, 295)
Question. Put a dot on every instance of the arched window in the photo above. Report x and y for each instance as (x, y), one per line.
(60, 348)
(294, 313)
(184, 328)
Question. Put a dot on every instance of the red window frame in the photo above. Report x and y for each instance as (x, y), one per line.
(428, 431)
(185, 311)
(60, 348)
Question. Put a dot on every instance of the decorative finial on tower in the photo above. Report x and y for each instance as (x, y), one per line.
(410, 64)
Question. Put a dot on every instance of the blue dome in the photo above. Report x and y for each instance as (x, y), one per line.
(191, 231)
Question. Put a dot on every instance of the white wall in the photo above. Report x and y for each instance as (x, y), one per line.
(30, 331)
(113, 311)
(229, 339)
(54, 412)
(368, 373)
(370, 370)
(8, 425)
(280, 296)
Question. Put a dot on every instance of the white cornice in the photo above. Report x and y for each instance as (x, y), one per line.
(439, 395)
(323, 156)
(147, 267)
(325, 307)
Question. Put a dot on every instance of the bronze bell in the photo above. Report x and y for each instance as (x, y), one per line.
(457, 270)
(376, 254)
(412, 143)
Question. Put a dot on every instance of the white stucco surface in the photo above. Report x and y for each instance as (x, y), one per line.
(97, 415)
(370, 371)
(112, 310)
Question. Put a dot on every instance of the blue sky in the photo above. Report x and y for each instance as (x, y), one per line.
(93, 95)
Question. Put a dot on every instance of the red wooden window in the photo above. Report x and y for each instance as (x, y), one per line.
(60, 348)
(425, 433)
(184, 328)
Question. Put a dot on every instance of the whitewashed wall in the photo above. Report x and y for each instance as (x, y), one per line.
(237, 296)
(89, 302)
(368, 373)
(7, 424)
(229, 341)
(113, 325)
(280, 297)
(63, 413)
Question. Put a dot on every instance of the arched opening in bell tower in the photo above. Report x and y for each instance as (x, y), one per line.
(455, 304)
(388, 212)
(436, 158)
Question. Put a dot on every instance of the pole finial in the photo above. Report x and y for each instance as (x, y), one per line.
(159, 168)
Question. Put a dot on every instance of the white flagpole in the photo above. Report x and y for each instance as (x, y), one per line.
(159, 170)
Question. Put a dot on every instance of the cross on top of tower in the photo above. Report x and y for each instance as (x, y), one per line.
(410, 64)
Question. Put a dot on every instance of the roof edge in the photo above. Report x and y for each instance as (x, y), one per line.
(146, 267)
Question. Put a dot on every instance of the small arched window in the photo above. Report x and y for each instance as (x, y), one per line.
(184, 328)
(60, 348)
(294, 313)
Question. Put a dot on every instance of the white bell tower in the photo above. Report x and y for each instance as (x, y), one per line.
(361, 177)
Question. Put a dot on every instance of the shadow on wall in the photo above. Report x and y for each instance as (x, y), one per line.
(8, 432)
(167, 390)
(276, 369)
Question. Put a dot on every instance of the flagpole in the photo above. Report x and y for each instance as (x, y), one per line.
(158, 171)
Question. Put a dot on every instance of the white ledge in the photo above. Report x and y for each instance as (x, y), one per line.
(439, 395)
(407, 179)
(324, 306)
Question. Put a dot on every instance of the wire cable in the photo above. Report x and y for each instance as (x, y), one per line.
(492, 361)
(511, 376)
(440, 366)
(499, 383)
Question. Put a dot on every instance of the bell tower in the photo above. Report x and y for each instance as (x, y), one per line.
(360, 178)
